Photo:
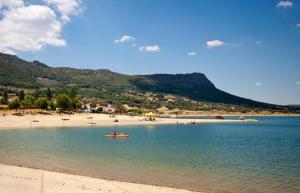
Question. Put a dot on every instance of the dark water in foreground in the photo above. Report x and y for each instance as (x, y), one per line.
(262, 157)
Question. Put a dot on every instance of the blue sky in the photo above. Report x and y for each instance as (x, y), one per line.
(247, 48)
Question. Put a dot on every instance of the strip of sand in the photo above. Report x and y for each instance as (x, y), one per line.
(15, 179)
(87, 120)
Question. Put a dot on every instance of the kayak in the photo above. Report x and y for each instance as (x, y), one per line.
(118, 135)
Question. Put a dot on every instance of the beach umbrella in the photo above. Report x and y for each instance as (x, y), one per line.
(150, 114)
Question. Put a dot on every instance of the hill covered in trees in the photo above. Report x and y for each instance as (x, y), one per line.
(121, 88)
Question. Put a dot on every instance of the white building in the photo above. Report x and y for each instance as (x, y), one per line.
(108, 109)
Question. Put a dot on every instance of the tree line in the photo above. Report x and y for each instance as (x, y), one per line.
(65, 100)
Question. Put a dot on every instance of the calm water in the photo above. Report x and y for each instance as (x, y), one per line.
(232, 157)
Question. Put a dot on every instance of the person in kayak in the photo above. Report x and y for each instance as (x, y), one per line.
(115, 133)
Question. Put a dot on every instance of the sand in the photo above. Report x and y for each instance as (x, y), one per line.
(15, 179)
(88, 120)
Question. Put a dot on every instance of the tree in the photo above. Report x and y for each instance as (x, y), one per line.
(21, 95)
(75, 103)
(63, 101)
(73, 93)
(64, 91)
(42, 103)
(49, 93)
(36, 94)
(52, 105)
(14, 104)
(4, 99)
(28, 102)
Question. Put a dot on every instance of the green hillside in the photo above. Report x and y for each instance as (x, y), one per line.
(19, 73)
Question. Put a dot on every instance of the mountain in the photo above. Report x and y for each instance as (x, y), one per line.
(19, 73)
(194, 85)
(294, 105)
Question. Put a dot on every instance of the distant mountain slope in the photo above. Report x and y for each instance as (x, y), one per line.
(195, 86)
(20, 73)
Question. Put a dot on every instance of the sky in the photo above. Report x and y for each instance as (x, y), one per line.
(247, 48)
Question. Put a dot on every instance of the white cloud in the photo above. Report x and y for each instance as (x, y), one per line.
(66, 8)
(191, 53)
(284, 4)
(125, 38)
(154, 48)
(298, 82)
(11, 3)
(258, 84)
(26, 27)
(298, 25)
(259, 42)
(214, 43)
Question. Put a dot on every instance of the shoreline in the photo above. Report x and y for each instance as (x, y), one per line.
(97, 120)
(30, 180)
(238, 115)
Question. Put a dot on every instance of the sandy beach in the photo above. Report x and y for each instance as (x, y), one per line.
(15, 179)
(88, 120)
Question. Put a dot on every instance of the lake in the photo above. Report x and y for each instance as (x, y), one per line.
(256, 157)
